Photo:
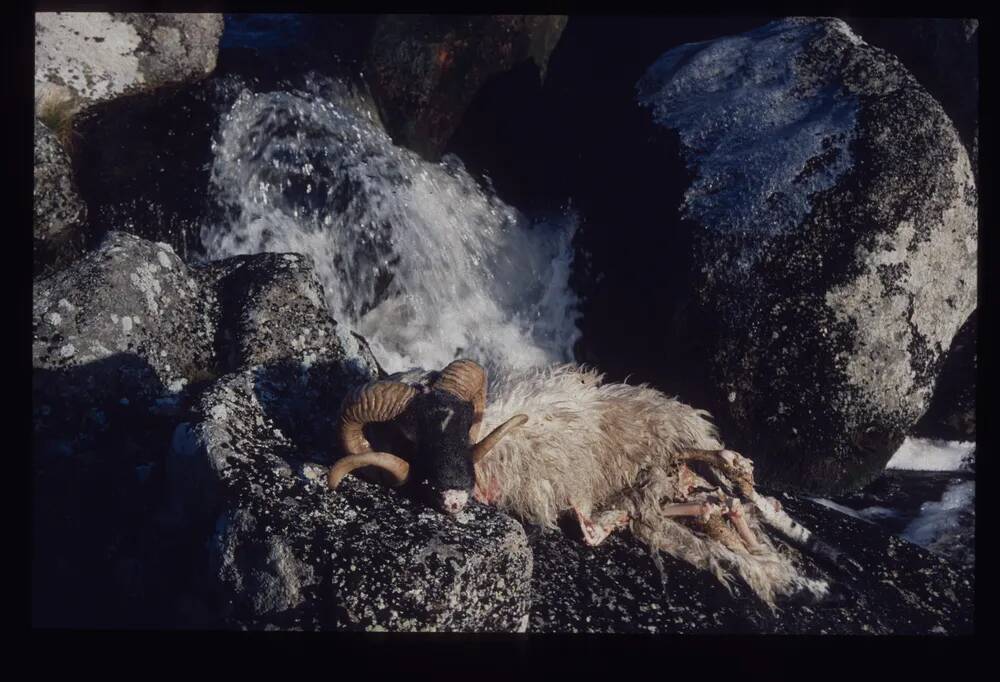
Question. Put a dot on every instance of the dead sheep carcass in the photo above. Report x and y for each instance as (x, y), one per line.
(560, 441)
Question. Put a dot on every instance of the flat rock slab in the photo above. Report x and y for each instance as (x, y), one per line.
(619, 587)
(287, 552)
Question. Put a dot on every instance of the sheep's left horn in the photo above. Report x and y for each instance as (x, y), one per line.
(484, 446)
(396, 466)
(466, 380)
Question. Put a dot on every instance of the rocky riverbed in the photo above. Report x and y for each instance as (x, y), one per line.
(235, 226)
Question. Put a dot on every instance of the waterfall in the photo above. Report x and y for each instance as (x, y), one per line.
(418, 257)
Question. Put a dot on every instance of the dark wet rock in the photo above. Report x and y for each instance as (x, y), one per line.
(58, 209)
(86, 57)
(271, 49)
(287, 552)
(952, 412)
(943, 54)
(834, 237)
(143, 161)
(618, 587)
(424, 70)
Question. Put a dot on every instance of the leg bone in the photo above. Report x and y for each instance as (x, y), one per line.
(596, 531)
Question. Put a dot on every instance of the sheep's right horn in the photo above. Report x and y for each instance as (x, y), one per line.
(466, 379)
(484, 446)
(381, 401)
(399, 468)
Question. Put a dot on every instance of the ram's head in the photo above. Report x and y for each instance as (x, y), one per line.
(441, 421)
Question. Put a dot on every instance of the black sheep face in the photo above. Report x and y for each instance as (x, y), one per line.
(444, 452)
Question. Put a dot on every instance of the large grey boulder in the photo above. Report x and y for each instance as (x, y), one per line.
(835, 240)
(274, 308)
(87, 57)
(287, 552)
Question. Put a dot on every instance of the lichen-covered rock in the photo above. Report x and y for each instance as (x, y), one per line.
(57, 205)
(273, 308)
(125, 339)
(619, 587)
(943, 54)
(129, 297)
(835, 242)
(424, 70)
(87, 57)
(288, 552)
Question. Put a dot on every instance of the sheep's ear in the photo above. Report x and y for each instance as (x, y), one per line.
(483, 447)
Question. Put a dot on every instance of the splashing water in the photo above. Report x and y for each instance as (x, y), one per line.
(413, 255)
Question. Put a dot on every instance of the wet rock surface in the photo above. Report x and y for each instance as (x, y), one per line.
(933, 509)
(87, 57)
(826, 307)
(142, 161)
(424, 70)
(618, 587)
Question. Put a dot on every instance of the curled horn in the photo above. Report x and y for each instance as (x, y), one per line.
(466, 380)
(383, 460)
(377, 402)
(483, 447)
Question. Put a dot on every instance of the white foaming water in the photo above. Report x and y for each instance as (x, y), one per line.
(926, 454)
(413, 255)
(939, 522)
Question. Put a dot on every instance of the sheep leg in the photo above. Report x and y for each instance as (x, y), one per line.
(701, 510)
(778, 519)
(710, 514)
(717, 529)
(735, 516)
(596, 531)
